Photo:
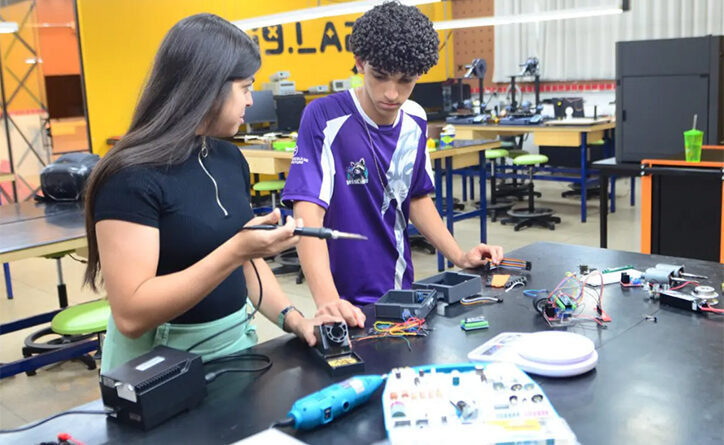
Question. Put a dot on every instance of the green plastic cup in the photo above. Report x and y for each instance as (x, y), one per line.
(693, 140)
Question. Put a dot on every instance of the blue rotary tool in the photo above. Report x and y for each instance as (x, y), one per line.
(331, 402)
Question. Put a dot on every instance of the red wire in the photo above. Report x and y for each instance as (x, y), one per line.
(711, 309)
(685, 283)
(590, 318)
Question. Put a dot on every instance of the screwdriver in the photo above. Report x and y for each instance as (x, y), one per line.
(317, 232)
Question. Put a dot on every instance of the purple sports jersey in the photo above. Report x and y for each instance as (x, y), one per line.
(336, 167)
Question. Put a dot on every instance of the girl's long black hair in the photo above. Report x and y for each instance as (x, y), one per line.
(190, 79)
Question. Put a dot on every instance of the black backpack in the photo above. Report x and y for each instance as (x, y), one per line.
(64, 179)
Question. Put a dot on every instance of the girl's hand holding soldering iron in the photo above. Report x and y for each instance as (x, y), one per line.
(266, 243)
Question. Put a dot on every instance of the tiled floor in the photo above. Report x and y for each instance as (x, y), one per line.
(62, 386)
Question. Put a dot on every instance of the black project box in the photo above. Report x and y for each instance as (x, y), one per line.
(401, 304)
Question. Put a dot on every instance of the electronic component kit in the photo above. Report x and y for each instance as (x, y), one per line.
(490, 403)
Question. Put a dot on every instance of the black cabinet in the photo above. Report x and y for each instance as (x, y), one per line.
(686, 213)
(660, 85)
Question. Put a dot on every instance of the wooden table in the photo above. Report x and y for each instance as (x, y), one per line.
(551, 135)
(266, 161)
(464, 154)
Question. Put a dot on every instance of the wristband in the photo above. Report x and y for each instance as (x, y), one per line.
(283, 316)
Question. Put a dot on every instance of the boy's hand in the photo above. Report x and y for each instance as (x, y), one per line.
(343, 309)
(479, 255)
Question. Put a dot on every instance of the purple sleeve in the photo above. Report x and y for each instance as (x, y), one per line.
(422, 177)
(304, 182)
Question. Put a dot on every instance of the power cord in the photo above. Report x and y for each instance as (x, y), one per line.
(80, 260)
(55, 416)
(235, 325)
(267, 363)
(289, 421)
(247, 357)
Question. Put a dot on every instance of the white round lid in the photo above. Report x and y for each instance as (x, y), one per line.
(555, 347)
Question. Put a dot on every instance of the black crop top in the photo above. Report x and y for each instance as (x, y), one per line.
(180, 201)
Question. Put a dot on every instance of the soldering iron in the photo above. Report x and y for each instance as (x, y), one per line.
(317, 232)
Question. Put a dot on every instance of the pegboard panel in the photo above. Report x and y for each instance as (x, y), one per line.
(473, 43)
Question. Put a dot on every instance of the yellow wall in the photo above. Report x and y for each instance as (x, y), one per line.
(120, 37)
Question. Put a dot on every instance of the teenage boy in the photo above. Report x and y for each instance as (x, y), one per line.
(362, 166)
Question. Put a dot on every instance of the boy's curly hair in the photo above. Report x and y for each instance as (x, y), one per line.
(395, 38)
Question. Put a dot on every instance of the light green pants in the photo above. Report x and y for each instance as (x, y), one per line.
(118, 349)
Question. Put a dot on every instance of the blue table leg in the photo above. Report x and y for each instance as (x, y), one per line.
(8, 283)
(584, 174)
(483, 199)
(464, 183)
(472, 187)
(633, 191)
(613, 194)
(438, 205)
(449, 211)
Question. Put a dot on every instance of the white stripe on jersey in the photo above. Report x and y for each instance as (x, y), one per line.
(413, 108)
(399, 181)
(327, 161)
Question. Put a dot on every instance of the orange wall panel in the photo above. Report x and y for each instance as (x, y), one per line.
(58, 43)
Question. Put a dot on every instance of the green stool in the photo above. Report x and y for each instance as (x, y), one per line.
(515, 189)
(515, 152)
(496, 206)
(496, 153)
(86, 318)
(72, 325)
(273, 187)
(530, 216)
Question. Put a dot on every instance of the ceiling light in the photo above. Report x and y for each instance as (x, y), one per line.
(8, 27)
(318, 12)
(542, 16)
